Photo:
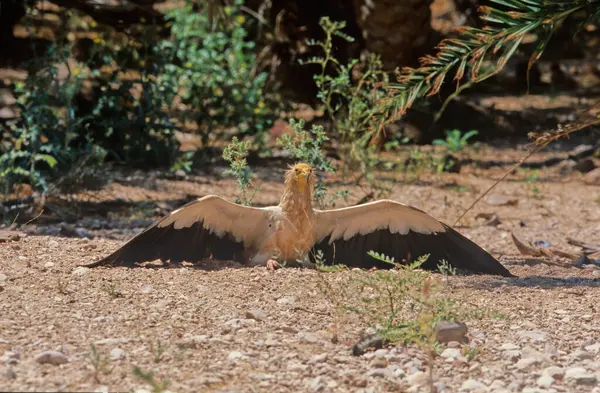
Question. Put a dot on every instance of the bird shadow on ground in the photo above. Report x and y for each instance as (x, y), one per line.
(206, 265)
(535, 281)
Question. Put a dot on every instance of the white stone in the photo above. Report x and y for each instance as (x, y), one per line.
(545, 381)
(117, 354)
(473, 384)
(580, 375)
(526, 363)
(235, 355)
(450, 353)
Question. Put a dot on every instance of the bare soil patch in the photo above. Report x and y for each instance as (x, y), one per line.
(227, 328)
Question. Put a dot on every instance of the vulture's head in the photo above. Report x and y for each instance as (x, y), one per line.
(300, 176)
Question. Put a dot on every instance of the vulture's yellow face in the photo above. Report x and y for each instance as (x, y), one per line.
(302, 175)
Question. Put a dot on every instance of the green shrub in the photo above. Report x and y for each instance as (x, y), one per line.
(350, 104)
(41, 143)
(215, 72)
(455, 140)
(127, 111)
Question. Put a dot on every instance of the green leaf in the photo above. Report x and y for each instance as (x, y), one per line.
(47, 158)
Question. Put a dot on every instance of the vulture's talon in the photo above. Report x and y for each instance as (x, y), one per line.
(272, 265)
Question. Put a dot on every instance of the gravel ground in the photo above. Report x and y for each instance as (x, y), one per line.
(231, 329)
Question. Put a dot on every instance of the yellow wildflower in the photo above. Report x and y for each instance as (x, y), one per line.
(240, 19)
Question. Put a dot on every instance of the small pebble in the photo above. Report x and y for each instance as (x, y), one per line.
(533, 335)
(117, 354)
(509, 347)
(321, 358)
(10, 374)
(497, 384)
(286, 300)
(52, 244)
(51, 357)
(378, 363)
(512, 355)
(360, 383)
(270, 342)
(554, 372)
(450, 353)
(80, 271)
(473, 384)
(580, 376)
(581, 355)
(235, 355)
(545, 381)
(446, 331)
(308, 337)
(418, 378)
(526, 363)
(112, 341)
(258, 315)
(593, 348)
(381, 372)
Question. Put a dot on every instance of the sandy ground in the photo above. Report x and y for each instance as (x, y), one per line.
(228, 329)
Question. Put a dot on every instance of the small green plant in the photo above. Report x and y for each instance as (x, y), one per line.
(148, 377)
(531, 180)
(403, 304)
(235, 154)
(62, 285)
(99, 363)
(471, 352)
(348, 96)
(455, 140)
(322, 267)
(446, 269)
(159, 350)
(419, 161)
(111, 290)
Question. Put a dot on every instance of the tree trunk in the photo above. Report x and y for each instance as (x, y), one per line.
(399, 31)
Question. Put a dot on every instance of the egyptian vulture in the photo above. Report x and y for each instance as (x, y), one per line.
(214, 228)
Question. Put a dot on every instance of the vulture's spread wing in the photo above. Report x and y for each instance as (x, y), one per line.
(209, 227)
(399, 231)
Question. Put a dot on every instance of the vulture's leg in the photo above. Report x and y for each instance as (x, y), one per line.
(272, 265)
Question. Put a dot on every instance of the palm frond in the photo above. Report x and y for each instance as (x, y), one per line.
(507, 26)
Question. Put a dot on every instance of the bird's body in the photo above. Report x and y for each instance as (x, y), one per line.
(213, 228)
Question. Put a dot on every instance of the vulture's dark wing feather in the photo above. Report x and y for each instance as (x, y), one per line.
(345, 236)
(209, 227)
